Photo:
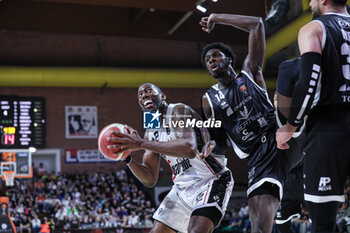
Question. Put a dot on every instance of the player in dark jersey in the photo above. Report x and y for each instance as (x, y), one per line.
(240, 101)
(323, 92)
(291, 204)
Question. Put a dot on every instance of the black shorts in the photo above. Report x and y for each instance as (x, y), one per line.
(327, 154)
(293, 196)
(266, 165)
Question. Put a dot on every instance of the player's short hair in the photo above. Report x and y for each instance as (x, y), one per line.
(154, 86)
(220, 46)
(339, 2)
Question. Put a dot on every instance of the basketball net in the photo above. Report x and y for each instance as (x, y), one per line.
(8, 170)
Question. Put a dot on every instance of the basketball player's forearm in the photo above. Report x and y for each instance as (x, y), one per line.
(143, 174)
(178, 148)
(243, 22)
(306, 87)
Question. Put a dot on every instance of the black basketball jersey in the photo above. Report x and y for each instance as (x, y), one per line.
(245, 111)
(335, 79)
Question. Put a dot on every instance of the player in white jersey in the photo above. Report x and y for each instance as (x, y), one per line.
(202, 183)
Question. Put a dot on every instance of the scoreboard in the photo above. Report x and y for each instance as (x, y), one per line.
(22, 122)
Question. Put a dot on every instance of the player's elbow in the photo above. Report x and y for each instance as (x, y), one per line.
(259, 24)
(149, 183)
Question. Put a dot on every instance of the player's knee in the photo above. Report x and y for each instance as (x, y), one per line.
(199, 229)
(200, 224)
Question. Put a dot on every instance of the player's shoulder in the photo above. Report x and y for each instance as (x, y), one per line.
(312, 27)
(178, 108)
(214, 87)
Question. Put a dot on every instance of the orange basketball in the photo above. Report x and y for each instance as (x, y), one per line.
(103, 143)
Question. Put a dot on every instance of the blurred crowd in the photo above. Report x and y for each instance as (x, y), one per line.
(79, 201)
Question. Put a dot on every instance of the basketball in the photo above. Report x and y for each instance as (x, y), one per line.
(103, 143)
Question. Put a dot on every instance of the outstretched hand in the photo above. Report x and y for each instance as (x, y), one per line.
(207, 24)
(125, 141)
(207, 149)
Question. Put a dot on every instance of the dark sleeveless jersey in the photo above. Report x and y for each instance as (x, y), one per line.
(245, 111)
(335, 79)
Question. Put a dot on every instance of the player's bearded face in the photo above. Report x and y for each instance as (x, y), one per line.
(315, 8)
(217, 63)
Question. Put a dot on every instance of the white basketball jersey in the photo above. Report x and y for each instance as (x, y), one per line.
(187, 173)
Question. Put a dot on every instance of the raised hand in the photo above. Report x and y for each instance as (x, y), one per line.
(207, 23)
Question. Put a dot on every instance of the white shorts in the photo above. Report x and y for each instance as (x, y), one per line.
(176, 209)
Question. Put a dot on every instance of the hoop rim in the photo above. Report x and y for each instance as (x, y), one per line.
(9, 177)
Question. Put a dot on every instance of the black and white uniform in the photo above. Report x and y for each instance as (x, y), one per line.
(327, 149)
(248, 118)
(293, 192)
(198, 183)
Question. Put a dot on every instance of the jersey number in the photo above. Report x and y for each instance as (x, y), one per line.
(219, 96)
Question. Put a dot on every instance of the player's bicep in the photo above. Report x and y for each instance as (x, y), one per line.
(181, 113)
(256, 48)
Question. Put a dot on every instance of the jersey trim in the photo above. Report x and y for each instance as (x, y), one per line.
(262, 89)
(238, 151)
(283, 221)
(324, 35)
(299, 129)
(323, 199)
(267, 179)
(211, 105)
(336, 13)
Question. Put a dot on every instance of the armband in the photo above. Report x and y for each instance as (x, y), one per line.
(306, 87)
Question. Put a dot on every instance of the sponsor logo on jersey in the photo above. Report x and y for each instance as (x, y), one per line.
(324, 184)
(251, 172)
(182, 165)
(343, 24)
(247, 134)
(216, 198)
(200, 196)
(160, 210)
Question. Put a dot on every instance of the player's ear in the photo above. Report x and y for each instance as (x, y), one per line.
(163, 96)
(325, 2)
(229, 60)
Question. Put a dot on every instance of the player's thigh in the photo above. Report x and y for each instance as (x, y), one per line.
(326, 166)
(174, 212)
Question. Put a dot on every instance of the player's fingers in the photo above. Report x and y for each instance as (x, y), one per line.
(129, 129)
(285, 145)
(203, 23)
(114, 146)
(209, 147)
(114, 139)
(282, 146)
